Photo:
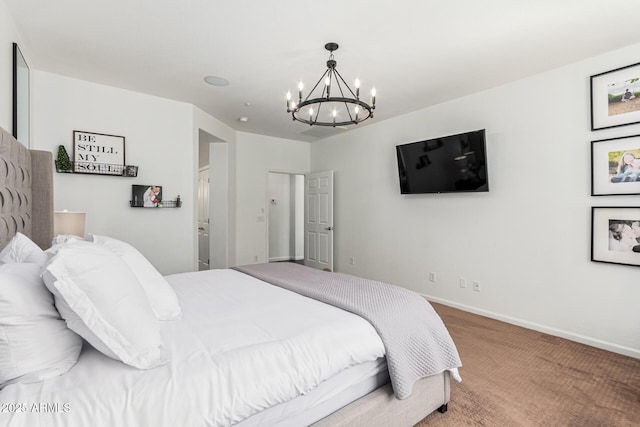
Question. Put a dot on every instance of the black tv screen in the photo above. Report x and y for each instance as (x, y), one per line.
(455, 163)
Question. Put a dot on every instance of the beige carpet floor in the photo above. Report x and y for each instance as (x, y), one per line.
(513, 376)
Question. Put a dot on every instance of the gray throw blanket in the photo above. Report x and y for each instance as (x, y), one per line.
(416, 341)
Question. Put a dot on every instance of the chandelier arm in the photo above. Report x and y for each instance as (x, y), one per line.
(346, 107)
(340, 86)
(318, 112)
(314, 88)
(345, 83)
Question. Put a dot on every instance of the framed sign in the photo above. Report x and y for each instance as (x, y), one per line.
(615, 97)
(615, 166)
(615, 235)
(98, 153)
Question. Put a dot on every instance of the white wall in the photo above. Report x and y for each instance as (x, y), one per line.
(256, 156)
(527, 241)
(158, 138)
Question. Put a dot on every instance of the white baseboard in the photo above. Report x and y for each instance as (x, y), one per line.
(605, 345)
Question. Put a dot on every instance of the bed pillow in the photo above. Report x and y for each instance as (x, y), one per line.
(162, 298)
(22, 249)
(35, 342)
(101, 300)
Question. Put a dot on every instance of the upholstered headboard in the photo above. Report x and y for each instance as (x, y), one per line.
(26, 192)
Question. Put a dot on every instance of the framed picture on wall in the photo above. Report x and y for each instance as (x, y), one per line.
(615, 166)
(615, 97)
(615, 235)
(146, 196)
(98, 153)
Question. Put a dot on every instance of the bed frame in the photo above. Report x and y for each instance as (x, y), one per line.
(26, 206)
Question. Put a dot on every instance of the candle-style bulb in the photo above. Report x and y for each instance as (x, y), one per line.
(357, 84)
(356, 110)
(327, 81)
(300, 86)
(288, 96)
(373, 97)
(335, 113)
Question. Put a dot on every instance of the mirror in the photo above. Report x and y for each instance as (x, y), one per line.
(20, 97)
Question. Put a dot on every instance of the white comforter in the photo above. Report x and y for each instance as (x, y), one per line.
(242, 346)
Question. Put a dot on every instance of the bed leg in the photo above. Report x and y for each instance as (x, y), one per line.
(443, 408)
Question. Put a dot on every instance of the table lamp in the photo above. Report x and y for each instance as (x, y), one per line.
(67, 222)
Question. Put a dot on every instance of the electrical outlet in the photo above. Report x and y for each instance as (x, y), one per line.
(463, 282)
(432, 276)
(476, 285)
(352, 261)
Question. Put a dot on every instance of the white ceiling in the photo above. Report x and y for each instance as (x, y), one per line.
(415, 52)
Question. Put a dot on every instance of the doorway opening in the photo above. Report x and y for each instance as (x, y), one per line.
(286, 217)
(212, 202)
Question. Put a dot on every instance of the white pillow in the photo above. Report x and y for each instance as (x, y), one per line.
(35, 343)
(162, 297)
(101, 300)
(22, 249)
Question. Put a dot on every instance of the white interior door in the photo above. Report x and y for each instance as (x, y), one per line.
(318, 223)
(204, 261)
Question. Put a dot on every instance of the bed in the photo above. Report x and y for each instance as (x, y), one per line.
(241, 352)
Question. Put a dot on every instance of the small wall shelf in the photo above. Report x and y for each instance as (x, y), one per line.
(87, 168)
(161, 205)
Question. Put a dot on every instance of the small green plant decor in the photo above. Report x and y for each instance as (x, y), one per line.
(63, 163)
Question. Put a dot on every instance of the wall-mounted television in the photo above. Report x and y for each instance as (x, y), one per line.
(450, 164)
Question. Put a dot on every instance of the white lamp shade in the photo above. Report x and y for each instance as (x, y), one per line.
(66, 222)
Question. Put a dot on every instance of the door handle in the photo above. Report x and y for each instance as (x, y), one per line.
(328, 228)
(200, 228)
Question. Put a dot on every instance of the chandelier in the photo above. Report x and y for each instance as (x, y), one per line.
(320, 108)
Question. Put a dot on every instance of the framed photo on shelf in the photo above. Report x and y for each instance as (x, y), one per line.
(615, 235)
(130, 171)
(615, 166)
(146, 196)
(97, 153)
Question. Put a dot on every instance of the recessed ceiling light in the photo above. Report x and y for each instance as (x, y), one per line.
(244, 119)
(216, 81)
(248, 104)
